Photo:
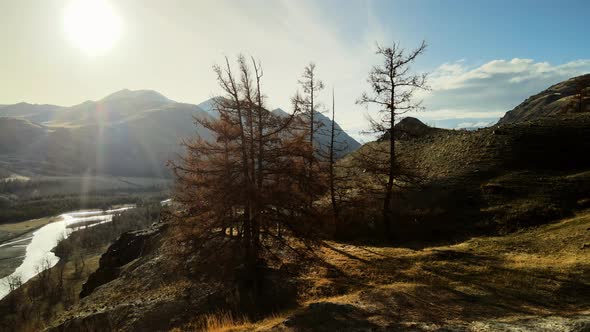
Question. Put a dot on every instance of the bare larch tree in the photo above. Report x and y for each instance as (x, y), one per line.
(309, 105)
(332, 160)
(393, 86)
(581, 88)
(249, 176)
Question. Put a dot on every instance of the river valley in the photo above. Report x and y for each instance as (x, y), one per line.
(24, 255)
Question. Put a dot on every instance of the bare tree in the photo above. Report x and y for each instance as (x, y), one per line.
(332, 160)
(14, 281)
(393, 87)
(581, 89)
(311, 86)
(309, 105)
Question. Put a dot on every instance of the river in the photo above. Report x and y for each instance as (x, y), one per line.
(39, 243)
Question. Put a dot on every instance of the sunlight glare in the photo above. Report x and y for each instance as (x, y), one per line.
(92, 25)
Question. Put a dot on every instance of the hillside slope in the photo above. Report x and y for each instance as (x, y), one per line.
(557, 99)
(493, 179)
(524, 280)
(344, 144)
(536, 280)
(17, 133)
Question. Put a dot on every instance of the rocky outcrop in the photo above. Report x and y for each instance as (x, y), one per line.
(136, 288)
(127, 248)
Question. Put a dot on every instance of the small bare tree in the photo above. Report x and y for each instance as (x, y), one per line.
(582, 90)
(332, 160)
(393, 86)
(14, 281)
(311, 86)
(332, 177)
(309, 105)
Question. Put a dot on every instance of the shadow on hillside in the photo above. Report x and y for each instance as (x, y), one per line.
(327, 316)
(449, 284)
(446, 213)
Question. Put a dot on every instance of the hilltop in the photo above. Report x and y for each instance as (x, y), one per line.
(410, 128)
(558, 99)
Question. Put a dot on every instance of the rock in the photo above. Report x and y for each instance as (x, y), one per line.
(128, 247)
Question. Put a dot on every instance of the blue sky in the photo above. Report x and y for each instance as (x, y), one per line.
(481, 31)
(484, 57)
(477, 30)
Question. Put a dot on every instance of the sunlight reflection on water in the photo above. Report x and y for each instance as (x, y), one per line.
(38, 251)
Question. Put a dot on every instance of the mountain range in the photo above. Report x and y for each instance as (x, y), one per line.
(127, 133)
(134, 132)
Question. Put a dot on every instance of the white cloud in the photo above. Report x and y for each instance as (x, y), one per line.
(479, 124)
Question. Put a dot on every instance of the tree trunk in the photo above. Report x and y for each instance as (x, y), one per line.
(311, 129)
(389, 188)
(332, 185)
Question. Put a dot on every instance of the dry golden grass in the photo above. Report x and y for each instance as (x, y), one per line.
(541, 271)
(226, 322)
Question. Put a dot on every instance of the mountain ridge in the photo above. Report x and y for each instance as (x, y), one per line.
(126, 133)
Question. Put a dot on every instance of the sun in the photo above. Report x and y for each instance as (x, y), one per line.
(92, 25)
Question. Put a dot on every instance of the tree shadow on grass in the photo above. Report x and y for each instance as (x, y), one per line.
(327, 316)
(442, 285)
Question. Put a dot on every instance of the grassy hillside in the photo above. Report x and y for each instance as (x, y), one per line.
(525, 280)
(481, 284)
(494, 179)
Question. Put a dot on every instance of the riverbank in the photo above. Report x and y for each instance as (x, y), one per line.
(12, 231)
(14, 239)
(30, 253)
(44, 297)
(9, 232)
(48, 294)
